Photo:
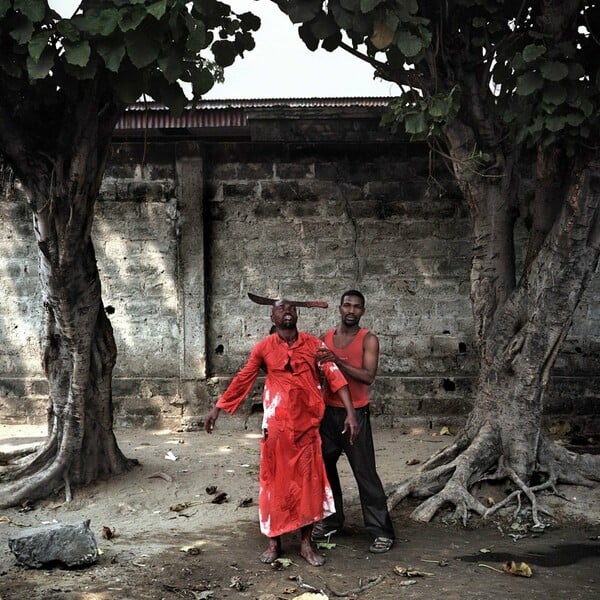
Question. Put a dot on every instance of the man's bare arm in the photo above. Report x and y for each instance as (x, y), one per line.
(350, 422)
(366, 373)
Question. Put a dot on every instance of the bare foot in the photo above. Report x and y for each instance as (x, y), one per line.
(272, 552)
(310, 556)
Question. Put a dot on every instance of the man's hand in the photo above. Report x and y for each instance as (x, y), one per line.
(325, 355)
(211, 419)
(351, 425)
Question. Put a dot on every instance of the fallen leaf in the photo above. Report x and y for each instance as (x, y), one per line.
(245, 502)
(326, 545)
(490, 501)
(281, 563)
(193, 550)
(489, 567)
(445, 431)
(521, 569)
(108, 533)
(211, 489)
(182, 506)
(161, 475)
(413, 461)
(237, 584)
(409, 572)
(442, 562)
(220, 498)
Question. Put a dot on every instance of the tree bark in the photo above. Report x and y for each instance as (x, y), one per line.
(78, 346)
(521, 337)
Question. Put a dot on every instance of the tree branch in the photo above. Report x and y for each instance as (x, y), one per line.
(403, 77)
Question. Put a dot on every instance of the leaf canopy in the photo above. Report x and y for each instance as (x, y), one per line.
(533, 66)
(131, 48)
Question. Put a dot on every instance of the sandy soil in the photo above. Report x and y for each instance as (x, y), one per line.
(171, 541)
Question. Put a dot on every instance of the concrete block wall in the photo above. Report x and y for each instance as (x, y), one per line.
(181, 239)
(23, 391)
(307, 224)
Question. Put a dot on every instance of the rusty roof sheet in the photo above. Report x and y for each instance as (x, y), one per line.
(229, 113)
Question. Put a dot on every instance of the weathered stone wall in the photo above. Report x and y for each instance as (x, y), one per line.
(299, 209)
(313, 224)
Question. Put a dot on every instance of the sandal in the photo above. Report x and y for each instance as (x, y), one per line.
(381, 545)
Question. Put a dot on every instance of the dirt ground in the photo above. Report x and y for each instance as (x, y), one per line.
(171, 541)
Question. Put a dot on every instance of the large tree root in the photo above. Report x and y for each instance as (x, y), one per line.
(27, 460)
(31, 477)
(448, 477)
(10, 458)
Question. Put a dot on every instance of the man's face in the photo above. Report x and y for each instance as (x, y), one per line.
(351, 310)
(284, 315)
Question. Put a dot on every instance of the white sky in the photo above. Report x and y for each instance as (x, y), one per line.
(280, 66)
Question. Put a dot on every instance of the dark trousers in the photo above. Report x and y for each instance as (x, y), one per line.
(361, 456)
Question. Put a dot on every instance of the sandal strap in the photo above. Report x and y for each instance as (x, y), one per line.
(381, 544)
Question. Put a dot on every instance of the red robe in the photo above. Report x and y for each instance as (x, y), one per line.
(294, 490)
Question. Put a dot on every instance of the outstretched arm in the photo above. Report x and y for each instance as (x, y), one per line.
(238, 389)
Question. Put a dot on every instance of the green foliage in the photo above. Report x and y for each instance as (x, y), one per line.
(423, 117)
(131, 48)
(34, 10)
(300, 11)
(535, 73)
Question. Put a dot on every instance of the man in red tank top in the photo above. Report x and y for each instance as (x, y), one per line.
(356, 352)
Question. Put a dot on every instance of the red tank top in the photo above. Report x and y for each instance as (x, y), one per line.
(352, 354)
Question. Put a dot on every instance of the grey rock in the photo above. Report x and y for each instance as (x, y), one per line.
(67, 545)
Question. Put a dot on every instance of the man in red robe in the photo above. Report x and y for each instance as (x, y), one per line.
(294, 492)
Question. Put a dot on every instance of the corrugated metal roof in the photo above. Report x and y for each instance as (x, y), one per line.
(229, 112)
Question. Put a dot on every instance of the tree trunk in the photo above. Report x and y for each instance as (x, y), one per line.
(78, 346)
(79, 354)
(520, 329)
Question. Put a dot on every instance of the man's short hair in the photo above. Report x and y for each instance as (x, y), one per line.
(352, 293)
